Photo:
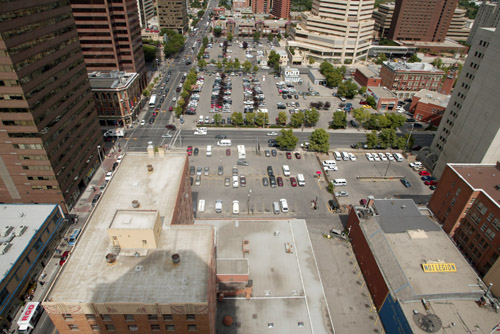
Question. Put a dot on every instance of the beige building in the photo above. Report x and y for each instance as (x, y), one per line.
(469, 131)
(383, 18)
(140, 265)
(337, 31)
(172, 14)
(458, 30)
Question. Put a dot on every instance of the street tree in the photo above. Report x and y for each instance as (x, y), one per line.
(181, 102)
(262, 118)
(200, 13)
(270, 37)
(256, 36)
(205, 41)
(297, 119)
(178, 111)
(250, 118)
(184, 94)
(372, 139)
(202, 63)
(361, 115)
(174, 44)
(217, 31)
(397, 120)
(247, 66)
(146, 93)
(273, 59)
(339, 120)
(219, 65)
(319, 141)
(286, 139)
(217, 118)
(387, 138)
(348, 89)
(149, 53)
(255, 68)
(230, 36)
(236, 64)
(371, 101)
(282, 118)
(311, 117)
(237, 118)
(362, 90)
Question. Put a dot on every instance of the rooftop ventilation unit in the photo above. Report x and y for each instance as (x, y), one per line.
(5, 231)
(20, 230)
(4, 247)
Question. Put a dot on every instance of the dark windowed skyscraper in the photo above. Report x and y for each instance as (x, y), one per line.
(48, 132)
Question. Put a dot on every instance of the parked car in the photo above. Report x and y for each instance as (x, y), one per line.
(293, 181)
(228, 152)
(63, 258)
(196, 151)
(220, 170)
(206, 171)
(236, 207)
(297, 155)
(265, 181)
(405, 182)
(424, 173)
(192, 170)
(288, 155)
(341, 193)
(279, 179)
(243, 181)
(189, 150)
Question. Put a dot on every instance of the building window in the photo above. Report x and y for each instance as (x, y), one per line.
(110, 327)
(133, 328)
(90, 316)
(483, 227)
(490, 217)
(490, 234)
(496, 224)
(192, 328)
(482, 209)
(458, 191)
(95, 327)
(167, 317)
(67, 317)
(452, 202)
(129, 317)
(106, 317)
(155, 327)
(73, 327)
(170, 327)
(152, 317)
(190, 317)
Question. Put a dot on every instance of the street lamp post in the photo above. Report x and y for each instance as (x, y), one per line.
(248, 200)
(99, 154)
(409, 136)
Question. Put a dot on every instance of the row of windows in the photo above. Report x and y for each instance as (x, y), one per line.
(9, 83)
(484, 43)
(6, 68)
(129, 317)
(17, 97)
(32, 157)
(41, 178)
(46, 187)
(18, 123)
(132, 328)
(37, 167)
(28, 146)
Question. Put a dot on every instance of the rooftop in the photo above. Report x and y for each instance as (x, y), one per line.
(369, 71)
(481, 177)
(33, 216)
(316, 73)
(111, 80)
(87, 278)
(287, 289)
(381, 91)
(430, 97)
(411, 67)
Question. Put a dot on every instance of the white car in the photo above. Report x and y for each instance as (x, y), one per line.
(143, 122)
(108, 177)
(389, 156)
(218, 206)
(382, 156)
(415, 164)
(236, 207)
(272, 133)
(331, 168)
(352, 157)
(119, 159)
(166, 135)
(174, 99)
(235, 181)
(375, 157)
(200, 132)
(369, 156)
(284, 205)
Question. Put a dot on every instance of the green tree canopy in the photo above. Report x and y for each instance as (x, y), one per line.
(371, 101)
(319, 141)
(372, 139)
(201, 13)
(381, 58)
(333, 75)
(149, 53)
(282, 118)
(202, 63)
(339, 120)
(414, 59)
(286, 139)
(270, 37)
(311, 117)
(217, 31)
(262, 118)
(247, 66)
(273, 59)
(217, 118)
(297, 119)
(205, 41)
(256, 36)
(250, 118)
(361, 115)
(348, 89)
(237, 118)
(397, 120)
(175, 43)
(229, 36)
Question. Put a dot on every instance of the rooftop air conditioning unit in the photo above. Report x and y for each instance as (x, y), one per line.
(20, 230)
(4, 247)
(5, 231)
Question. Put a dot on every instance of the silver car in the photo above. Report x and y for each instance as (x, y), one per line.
(207, 171)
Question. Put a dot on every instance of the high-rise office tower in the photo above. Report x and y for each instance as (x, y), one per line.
(422, 20)
(340, 31)
(487, 16)
(146, 11)
(281, 9)
(172, 14)
(110, 35)
(49, 131)
(470, 129)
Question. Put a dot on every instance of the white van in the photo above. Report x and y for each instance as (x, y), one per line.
(276, 208)
(337, 155)
(398, 157)
(300, 180)
(201, 205)
(339, 182)
(345, 156)
(224, 142)
(286, 170)
(209, 150)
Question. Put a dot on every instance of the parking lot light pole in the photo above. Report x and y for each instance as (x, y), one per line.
(409, 136)
(248, 200)
(99, 154)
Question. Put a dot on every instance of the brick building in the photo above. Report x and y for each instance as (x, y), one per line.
(140, 264)
(428, 106)
(110, 35)
(466, 202)
(281, 9)
(117, 96)
(172, 14)
(367, 76)
(406, 79)
(385, 99)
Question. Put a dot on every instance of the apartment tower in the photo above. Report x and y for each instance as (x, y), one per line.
(172, 14)
(110, 35)
(146, 12)
(336, 30)
(422, 20)
(49, 133)
(470, 129)
(281, 9)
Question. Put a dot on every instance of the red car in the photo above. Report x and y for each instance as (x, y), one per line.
(228, 152)
(293, 181)
(190, 150)
(64, 257)
(288, 155)
(170, 108)
(280, 181)
(424, 173)
(363, 102)
(430, 183)
(297, 155)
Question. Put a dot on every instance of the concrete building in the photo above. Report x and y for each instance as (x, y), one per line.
(340, 32)
(487, 16)
(406, 79)
(110, 35)
(49, 129)
(428, 106)
(28, 235)
(283, 56)
(420, 20)
(368, 76)
(458, 30)
(140, 264)
(117, 96)
(316, 77)
(172, 14)
(146, 11)
(282, 293)
(385, 99)
(291, 74)
(417, 278)
(470, 129)
(383, 18)
(466, 202)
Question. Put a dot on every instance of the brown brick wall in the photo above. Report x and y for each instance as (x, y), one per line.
(183, 212)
